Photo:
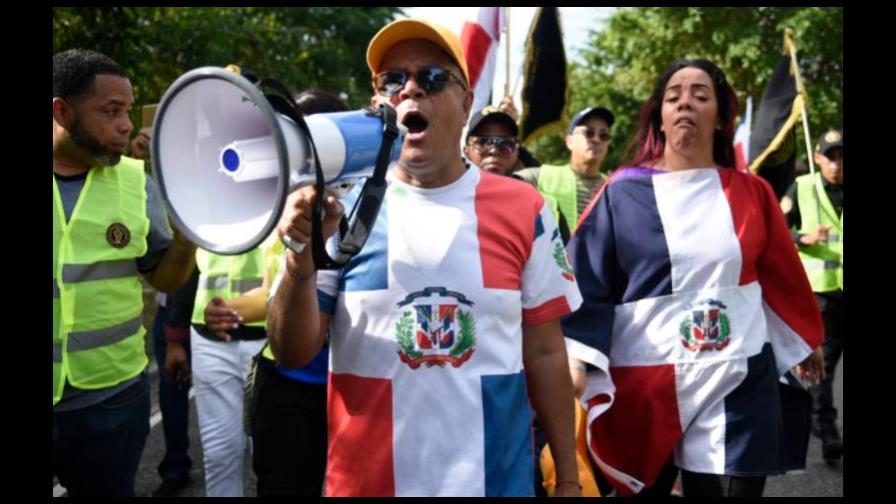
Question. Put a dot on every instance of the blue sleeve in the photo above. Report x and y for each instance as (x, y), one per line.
(592, 252)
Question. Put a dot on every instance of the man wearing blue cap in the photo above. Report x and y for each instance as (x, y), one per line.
(569, 188)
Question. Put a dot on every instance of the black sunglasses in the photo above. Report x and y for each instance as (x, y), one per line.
(589, 134)
(503, 144)
(431, 79)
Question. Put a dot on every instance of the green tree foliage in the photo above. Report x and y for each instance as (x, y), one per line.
(300, 46)
(622, 62)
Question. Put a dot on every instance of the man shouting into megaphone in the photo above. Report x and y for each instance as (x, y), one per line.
(456, 292)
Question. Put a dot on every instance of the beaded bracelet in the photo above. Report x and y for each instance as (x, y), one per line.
(567, 482)
(298, 278)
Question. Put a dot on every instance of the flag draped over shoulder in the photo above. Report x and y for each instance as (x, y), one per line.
(742, 139)
(480, 40)
(773, 141)
(545, 92)
(687, 353)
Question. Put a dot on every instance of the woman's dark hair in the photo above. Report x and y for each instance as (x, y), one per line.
(650, 140)
(316, 101)
(75, 70)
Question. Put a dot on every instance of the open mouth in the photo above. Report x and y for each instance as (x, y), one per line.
(685, 121)
(414, 122)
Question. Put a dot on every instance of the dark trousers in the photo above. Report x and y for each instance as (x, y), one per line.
(705, 485)
(831, 305)
(175, 406)
(289, 436)
(96, 450)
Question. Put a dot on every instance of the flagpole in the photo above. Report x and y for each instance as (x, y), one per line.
(507, 49)
(801, 91)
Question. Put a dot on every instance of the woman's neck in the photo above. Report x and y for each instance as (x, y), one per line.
(674, 160)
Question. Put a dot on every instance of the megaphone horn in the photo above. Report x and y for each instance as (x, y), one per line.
(225, 156)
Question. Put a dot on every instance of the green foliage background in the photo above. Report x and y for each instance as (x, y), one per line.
(324, 47)
(622, 62)
(300, 46)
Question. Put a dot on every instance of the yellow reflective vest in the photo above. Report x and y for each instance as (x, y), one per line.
(226, 277)
(558, 186)
(97, 295)
(823, 261)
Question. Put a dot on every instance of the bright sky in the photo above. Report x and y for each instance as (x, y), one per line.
(574, 21)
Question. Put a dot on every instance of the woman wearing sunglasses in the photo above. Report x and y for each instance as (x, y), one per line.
(569, 188)
(447, 323)
(492, 142)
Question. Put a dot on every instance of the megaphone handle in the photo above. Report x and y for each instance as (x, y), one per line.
(298, 247)
(295, 247)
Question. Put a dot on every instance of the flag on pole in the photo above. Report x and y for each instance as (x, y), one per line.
(742, 139)
(545, 92)
(773, 138)
(480, 40)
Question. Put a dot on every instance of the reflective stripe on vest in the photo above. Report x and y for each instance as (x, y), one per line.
(104, 270)
(818, 264)
(97, 294)
(559, 183)
(213, 283)
(244, 285)
(86, 340)
(226, 277)
(823, 261)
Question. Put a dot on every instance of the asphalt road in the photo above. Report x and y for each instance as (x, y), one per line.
(819, 479)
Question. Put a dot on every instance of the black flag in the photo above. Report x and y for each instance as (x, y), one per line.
(773, 136)
(545, 93)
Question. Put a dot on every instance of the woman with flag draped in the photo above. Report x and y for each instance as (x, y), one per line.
(694, 304)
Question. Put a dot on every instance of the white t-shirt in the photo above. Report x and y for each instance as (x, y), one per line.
(427, 392)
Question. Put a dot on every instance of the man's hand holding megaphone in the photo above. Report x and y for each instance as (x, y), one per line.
(295, 226)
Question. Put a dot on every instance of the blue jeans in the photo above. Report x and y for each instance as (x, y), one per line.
(96, 450)
(175, 406)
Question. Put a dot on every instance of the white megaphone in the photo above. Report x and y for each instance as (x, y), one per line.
(225, 156)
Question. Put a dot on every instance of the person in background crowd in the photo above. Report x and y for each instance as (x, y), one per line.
(174, 401)
(814, 210)
(569, 188)
(492, 143)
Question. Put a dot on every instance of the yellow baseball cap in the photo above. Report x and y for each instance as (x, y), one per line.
(406, 29)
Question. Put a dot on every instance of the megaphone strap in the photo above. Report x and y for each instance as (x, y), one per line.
(367, 205)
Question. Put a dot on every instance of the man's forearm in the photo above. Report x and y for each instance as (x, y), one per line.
(174, 267)
(294, 321)
(252, 305)
(550, 389)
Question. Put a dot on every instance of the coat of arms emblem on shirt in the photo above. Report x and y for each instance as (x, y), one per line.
(560, 257)
(706, 327)
(435, 329)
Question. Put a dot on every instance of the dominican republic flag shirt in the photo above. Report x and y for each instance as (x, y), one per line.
(694, 305)
(427, 395)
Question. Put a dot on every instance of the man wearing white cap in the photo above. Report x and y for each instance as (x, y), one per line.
(457, 291)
